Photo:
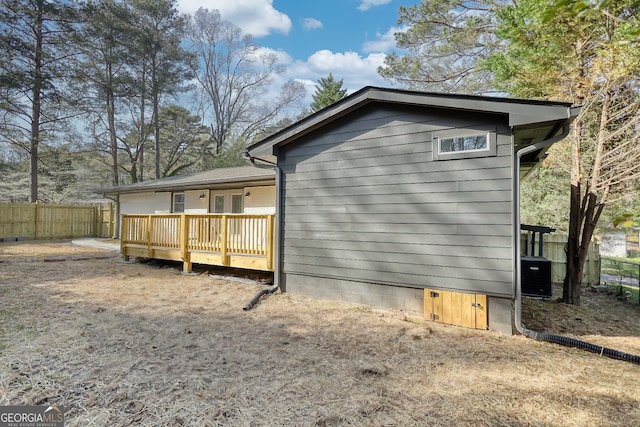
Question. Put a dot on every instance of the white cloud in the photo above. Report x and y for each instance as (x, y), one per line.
(311, 24)
(283, 57)
(356, 71)
(368, 4)
(384, 42)
(256, 17)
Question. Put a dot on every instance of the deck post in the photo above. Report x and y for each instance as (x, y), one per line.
(184, 244)
(124, 238)
(270, 240)
(149, 232)
(224, 235)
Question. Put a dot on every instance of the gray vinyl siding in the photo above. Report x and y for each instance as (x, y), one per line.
(364, 201)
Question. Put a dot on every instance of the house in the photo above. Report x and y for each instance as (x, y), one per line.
(409, 200)
(226, 190)
(219, 217)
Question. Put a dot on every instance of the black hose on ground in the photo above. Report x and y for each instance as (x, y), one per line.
(254, 300)
(572, 342)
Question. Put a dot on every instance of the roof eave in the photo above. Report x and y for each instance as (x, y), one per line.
(520, 112)
(194, 185)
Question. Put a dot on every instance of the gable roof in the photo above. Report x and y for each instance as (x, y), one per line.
(219, 178)
(532, 119)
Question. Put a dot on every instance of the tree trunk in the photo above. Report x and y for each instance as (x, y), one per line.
(583, 218)
(573, 276)
(111, 119)
(156, 114)
(133, 173)
(143, 126)
(36, 93)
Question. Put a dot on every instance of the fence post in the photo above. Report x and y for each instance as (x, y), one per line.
(111, 227)
(97, 221)
(35, 221)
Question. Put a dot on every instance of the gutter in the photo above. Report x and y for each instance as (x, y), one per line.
(540, 336)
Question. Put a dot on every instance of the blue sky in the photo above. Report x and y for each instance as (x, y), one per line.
(348, 38)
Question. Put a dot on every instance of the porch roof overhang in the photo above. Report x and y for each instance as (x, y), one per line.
(220, 178)
(531, 121)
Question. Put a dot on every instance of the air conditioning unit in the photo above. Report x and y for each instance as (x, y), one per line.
(536, 277)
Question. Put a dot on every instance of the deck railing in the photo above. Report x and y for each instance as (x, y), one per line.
(232, 240)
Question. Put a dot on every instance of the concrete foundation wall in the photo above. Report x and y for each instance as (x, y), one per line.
(409, 299)
(500, 315)
(392, 297)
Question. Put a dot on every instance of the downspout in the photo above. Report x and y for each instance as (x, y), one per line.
(278, 223)
(541, 336)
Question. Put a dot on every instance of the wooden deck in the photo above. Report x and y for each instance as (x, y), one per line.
(230, 240)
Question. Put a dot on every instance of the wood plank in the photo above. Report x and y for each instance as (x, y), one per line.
(427, 308)
(467, 310)
(271, 243)
(168, 254)
(456, 308)
(184, 243)
(433, 305)
(136, 252)
(481, 313)
(253, 263)
(447, 314)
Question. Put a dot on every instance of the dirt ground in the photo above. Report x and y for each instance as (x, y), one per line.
(121, 344)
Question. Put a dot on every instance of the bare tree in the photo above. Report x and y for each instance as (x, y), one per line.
(235, 77)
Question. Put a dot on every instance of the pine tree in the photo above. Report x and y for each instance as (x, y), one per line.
(328, 91)
(34, 59)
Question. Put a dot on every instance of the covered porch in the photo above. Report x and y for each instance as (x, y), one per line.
(229, 240)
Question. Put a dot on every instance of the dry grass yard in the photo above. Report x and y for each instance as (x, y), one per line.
(122, 344)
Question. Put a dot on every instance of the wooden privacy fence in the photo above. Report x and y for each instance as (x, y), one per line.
(553, 249)
(42, 221)
(230, 240)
